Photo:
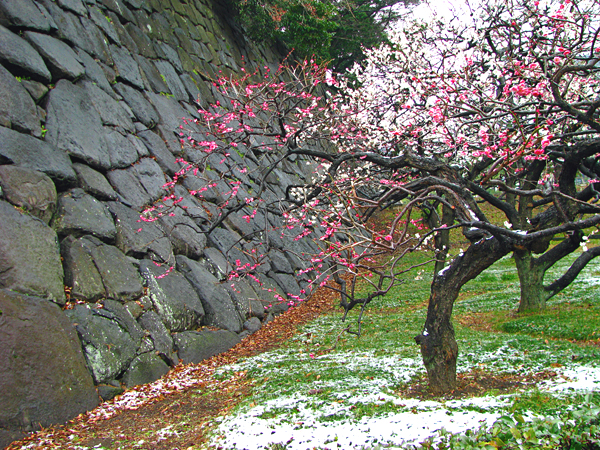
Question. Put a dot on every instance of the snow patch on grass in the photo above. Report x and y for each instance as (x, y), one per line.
(575, 378)
(588, 281)
(308, 430)
(362, 413)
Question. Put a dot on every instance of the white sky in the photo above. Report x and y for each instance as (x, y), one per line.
(440, 9)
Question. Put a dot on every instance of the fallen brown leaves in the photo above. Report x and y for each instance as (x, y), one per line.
(180, 406)
(487, 321)
(491, 322)
(477, 383)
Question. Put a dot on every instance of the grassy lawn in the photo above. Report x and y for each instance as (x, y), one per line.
(328, 389)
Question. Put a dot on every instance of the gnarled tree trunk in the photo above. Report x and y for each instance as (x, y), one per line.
(531, 279)
(438, 343)
(531, 272)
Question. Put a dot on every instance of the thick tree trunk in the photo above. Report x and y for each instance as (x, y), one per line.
(442, 238)
(531, 278)
(531, 270)
(438, 344)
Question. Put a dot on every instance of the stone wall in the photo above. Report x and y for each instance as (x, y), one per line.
(92, 93)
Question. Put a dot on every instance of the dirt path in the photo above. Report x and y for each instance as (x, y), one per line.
(175, 412)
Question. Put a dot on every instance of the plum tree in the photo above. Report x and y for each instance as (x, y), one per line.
(498, 109)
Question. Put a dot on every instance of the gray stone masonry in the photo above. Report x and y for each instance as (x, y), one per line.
(92, 98)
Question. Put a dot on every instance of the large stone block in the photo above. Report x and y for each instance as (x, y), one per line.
(25, 14)
(161, 28)
(125, 39)
(104, 24)
(27, 151)
(172, 138)
(141, 149)
(192, 88)
(81, 274)
(125, 319)
(119, 8)
(94, 183)
(127, 67)
(138, 238)
(112, 112)
(79, 213)
(159, 335)
(174, 299)
(94, 270)
(216, 263)
(186, 237)
(151, 177)
(218, 306)
(74, 5)
(152, 75)
(165, 51)
(245, 298)
(129, 187)
(159, 150)
(43, 375)
(20, 57)
(62, 61)
(245, 226)
(170, 112)
(279, 262)
(252, 325)
(144, 368)
(17, 109)
(98, 46)
(120, 278)
(230, 244)
(29, 189)
(175, 86)
(122, 151)
(143, 19)
(94, 72)
(270, 291)
(287, 282)
(142, 41)
(195, 346)
(80, 31)
(37, 91)
(141, 107)
(107, 346)
(195, 209)
(29, 256)
(74, 126)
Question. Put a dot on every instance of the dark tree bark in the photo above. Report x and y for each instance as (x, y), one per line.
(573, 271)
(438, 343)
(531, 272)
(531, 279)
(442, 237)
(442, 243)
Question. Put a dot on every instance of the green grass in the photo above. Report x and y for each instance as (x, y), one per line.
(576, 428)
(540, 402)
(564, 322)
(336, 377)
